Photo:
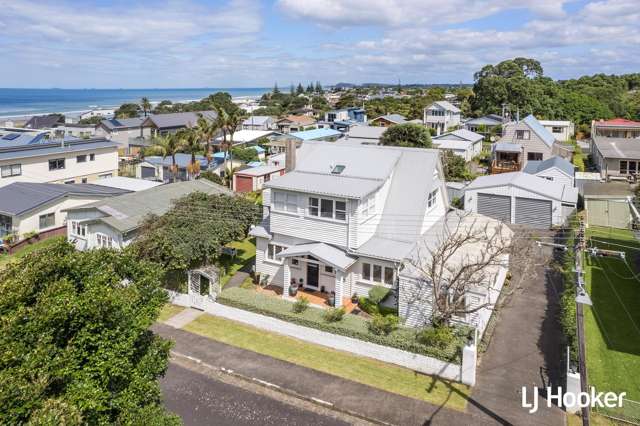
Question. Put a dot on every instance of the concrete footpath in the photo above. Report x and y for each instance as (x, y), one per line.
(345, 395)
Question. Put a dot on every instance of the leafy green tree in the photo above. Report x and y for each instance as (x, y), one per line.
(210, 176)
(127, 111)
(454, 167)
(75, 340)
(193, 232)
(190, 144)
(167, 146)
(245, 154)
(91, 120)
(299, 89)
(407, 134)
(347, 100)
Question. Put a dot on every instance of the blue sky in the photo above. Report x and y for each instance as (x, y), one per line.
(252, 43)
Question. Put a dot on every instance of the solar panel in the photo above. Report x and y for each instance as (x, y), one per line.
(11, 136)
(37, 139)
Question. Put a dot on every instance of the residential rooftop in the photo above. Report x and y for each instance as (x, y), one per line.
(617, 147)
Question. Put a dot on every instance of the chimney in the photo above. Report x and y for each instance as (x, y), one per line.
(290, 154)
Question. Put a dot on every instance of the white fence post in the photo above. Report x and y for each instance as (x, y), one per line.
(469, 364)
(573, 386)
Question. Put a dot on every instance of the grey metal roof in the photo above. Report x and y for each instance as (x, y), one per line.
(323, 252)
(260, 170)
(460, 134)
(506, 147)
(256, 120)
(55, 147)
(617, 147)
(126, 212)
(446, 105)
(609, 190)
(182, 160)
(484, 121)
(538, 185)
(19, 197)
(535, 167)
(177, 119)
(384, 248)
(325, 184)
(366, 132)
(394, 118)
(122, 123)
(542, 132)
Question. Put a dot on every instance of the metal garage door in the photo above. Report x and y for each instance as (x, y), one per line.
(147, 172)
(535, 213)
(495, 206)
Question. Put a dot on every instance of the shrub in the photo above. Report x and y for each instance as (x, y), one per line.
(365, 304)
(402, 338)
(333, 314)
(440, 337)
(378, 293)
(383, 324)
(300, 305)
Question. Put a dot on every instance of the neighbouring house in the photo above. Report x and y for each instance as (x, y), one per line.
(586, 177)
(555, 169)
(616, 157)
(616, 128)
(295, 123)
(485, 125)
(162, 124)
(336, 222)
(254, 178)
(101, 112)
(521, 141)
(344, 119)
(388, 120)
(456, 190)
(325, 134)
(562, 130)
(608, 204)
(28, 207)
(461, 142)
(44, 121)
(30, 157)
(114, 222)
(442, 116)
(156, 168)
(521, 198)
(85, 131)
(258, 122)
(128, 133)
(246, 137)
(368, 135)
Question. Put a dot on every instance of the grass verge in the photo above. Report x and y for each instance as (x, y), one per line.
(367, 371)
(245, 257)
(612, 324)
(169, 311)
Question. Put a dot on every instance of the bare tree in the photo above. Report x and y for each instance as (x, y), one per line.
(465, 255)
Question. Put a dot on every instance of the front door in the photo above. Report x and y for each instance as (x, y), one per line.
(313, 272)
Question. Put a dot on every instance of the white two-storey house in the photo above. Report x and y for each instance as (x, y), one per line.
(442, 116)
(348, 217)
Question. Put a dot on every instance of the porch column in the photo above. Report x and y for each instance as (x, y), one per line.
(287, 277)
(340, 275)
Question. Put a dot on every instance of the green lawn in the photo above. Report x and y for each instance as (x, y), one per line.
(5, 258)
(246, 255)
(613, 323)
(359, 369)
(168, 311)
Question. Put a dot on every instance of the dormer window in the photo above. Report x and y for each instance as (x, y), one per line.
(337, 169)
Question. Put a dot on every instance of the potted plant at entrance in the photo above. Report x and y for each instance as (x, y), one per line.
(293, 288)
(354, 298)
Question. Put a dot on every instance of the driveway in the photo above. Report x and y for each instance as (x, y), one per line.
(525, 350)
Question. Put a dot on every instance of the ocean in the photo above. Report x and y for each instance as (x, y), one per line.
(25, 102)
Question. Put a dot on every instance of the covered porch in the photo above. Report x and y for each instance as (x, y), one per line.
(506, 157)
(318, 271)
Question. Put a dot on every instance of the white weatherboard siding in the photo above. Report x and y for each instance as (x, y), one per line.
(30, 221)
(556, 175)
(363, 227)
(36, 169)
(532, 145)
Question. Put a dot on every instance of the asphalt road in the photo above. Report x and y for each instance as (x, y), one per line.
(203, 400)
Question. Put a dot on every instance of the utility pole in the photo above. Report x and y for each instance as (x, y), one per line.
(580, 292)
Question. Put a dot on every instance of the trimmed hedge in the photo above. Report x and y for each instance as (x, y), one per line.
(568, 297)
(350, 326)
(365, 304)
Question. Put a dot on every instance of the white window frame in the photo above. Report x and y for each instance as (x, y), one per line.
(369, 206)
(11, 170)
(372, 266)
(271, 252)
(432, 199)
(285, 202)
(78, 229)
(104, 240)
(56, 163)
(523, 133)
(314, 209)
(45, 216)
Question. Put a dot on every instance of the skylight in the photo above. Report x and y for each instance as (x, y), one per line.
(337, 169)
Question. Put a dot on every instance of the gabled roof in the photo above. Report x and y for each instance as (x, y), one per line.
(532, 183)
(127, 183)
(486, 120)
(323, 252)
(460, 135)
(393, 118)
(535, 167)
(617, 147)
(303, 120)
(257, 120)
(177, 119)
(445, 105)
(126, 212)
(43, 146)
(617, 122)
(43, 121)
(542, 132)
(182, 160)
(506, 147)
(122, 123)
(366, 132)
(20, 197)
(309, 135)
(259, 170)
(244, 136)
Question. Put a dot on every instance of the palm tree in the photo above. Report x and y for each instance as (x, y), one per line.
(190, 143)
(233, 120)
(206, 130)
(168, 146)
(146, 105)
(221, 123)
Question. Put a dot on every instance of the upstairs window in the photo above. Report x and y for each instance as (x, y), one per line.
(285, 202)
(313, 206)
(432, 198)
(534, 156)
(92, 157)
(56, 164)
(327, 208)
(556, 129)
(369, 206)
(523, 135)
(11, 170)
(81, 159)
